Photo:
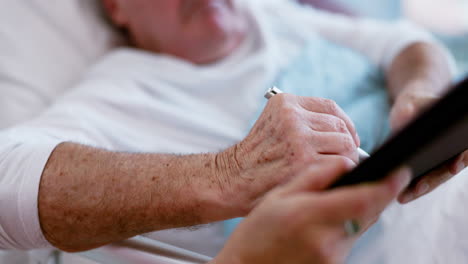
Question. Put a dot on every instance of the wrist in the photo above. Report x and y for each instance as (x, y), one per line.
(420, 65)
(233, 188)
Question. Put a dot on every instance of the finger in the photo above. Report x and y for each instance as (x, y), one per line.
(422, 99)
(332, 143)
(366, 201)
(327, 123)
(326, 106)
(401, 114)
(432, 180)
(320, 176)
(408, 107)
(459, 163)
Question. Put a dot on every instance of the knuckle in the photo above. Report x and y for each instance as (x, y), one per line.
(331, 105)
(289, 110)
(340, 126)
(348, 144)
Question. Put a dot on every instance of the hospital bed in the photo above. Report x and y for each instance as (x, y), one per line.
(143, 250)
(135, 250)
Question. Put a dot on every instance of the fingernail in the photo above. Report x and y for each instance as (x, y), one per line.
(422, 189)
(457, 166)
(407, 197)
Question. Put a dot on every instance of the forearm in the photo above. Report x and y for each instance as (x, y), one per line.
(90, 197)
(419, 65)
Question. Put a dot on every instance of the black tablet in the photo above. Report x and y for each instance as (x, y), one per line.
(437, 135)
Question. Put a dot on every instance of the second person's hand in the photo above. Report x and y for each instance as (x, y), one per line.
(408, 105)
(302, 223)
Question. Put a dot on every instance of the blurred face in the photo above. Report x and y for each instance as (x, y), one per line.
(201, 31)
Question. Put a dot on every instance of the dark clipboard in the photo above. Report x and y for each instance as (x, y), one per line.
(439, 134)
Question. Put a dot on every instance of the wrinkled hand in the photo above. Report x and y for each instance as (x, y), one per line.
(301, 223)
(408, 105)
(293, 132)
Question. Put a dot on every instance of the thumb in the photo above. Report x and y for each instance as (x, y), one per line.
(401, 115)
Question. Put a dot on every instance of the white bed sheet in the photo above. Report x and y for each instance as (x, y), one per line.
(430, 230)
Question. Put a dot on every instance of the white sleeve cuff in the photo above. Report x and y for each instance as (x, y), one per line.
(402, 35)
(21, 166)
(406, 34)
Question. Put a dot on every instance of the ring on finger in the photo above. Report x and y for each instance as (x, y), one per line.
(352, 228)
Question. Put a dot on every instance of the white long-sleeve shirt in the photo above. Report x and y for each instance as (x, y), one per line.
(137, 101)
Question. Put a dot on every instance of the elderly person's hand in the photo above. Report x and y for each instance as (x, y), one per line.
(151, 192)
(302, 223)
(292, 133)
(411, 101)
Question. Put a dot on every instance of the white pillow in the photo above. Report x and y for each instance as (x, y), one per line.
(44, 48)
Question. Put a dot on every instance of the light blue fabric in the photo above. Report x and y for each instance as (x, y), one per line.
(331, 71)
(382, 9)
(334, 72)
(459, 48)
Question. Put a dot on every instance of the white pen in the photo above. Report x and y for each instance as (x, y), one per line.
(275, 90)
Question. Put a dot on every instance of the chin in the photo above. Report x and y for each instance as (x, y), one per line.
(219, 48)
(213, 35)
(204, 47)
(210, 54)
(218, 42)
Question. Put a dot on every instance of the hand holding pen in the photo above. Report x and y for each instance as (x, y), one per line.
(292, 134)
(275, 90)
